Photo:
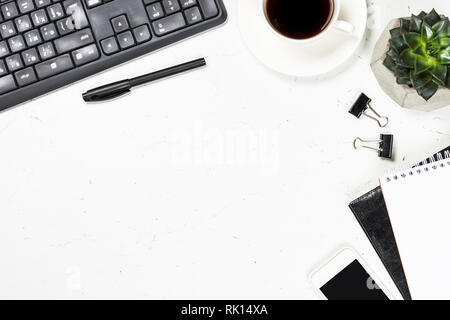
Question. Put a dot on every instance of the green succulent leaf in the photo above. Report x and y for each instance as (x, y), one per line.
(393, 54)
(413, 40)
(434, 46)
(399, 44)
(439, 73)
(404, 25)
(401, 72)
(428, 90)
(445, 42)
(444, 56)
(427, 32)
(422, 15)
(441, 28)
(415, 24)
(423, 64)
(407, 58)
(420, 51)
(390, 63)
(396, 32)
(432, 18)
(419, 80)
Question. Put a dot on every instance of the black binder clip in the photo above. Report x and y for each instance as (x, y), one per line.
(360, 108)
(385, 145)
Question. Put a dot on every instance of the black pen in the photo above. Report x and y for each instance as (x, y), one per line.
(116, 89)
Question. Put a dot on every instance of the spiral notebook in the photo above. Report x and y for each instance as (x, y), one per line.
(371, 212)
(417, 203)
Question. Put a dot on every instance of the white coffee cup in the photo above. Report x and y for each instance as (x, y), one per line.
(334, 23)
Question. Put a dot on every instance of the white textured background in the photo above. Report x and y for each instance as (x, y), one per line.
(229, 182)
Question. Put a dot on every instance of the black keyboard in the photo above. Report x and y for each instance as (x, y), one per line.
(47, 44)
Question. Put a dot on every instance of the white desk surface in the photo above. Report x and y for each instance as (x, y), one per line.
(229, 182)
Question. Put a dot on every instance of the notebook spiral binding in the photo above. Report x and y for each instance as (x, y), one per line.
(440, 160)
(438, 157)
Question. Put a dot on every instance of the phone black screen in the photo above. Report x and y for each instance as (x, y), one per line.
(353, 283)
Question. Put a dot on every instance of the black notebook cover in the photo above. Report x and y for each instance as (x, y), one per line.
(371, 212)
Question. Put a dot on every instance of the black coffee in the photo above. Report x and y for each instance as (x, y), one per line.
(299, 19)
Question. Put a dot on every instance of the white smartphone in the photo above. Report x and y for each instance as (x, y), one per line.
(346, 277)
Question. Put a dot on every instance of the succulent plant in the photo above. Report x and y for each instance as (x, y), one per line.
(419, 54)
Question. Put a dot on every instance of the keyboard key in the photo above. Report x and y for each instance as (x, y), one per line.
(14, 62)
(120, 24)
(49, 32)
(74, 41)
(188, 3)
(16, 43)
(125, 40)
(25, 6)
(155, 11)
(110, 46)
(4, 50)
(93, 3)
(3, 69)
(23, 24)
(39, 17)
(171, 6)
(54, 66)
(193, 15)
(42, 3)
(7, 84)
(7, 29)
(25, 77)
(30, 57)
(46, 51)
(169, 24)
(9, 10)
(65, 26)
(75, 9)
(142, 34)
(55, 12)
(33, 38)
(209, 8)
(85, 55)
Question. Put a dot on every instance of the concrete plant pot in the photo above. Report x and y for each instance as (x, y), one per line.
(404, 96)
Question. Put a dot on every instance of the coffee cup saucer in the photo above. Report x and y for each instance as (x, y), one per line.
(319, 57)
